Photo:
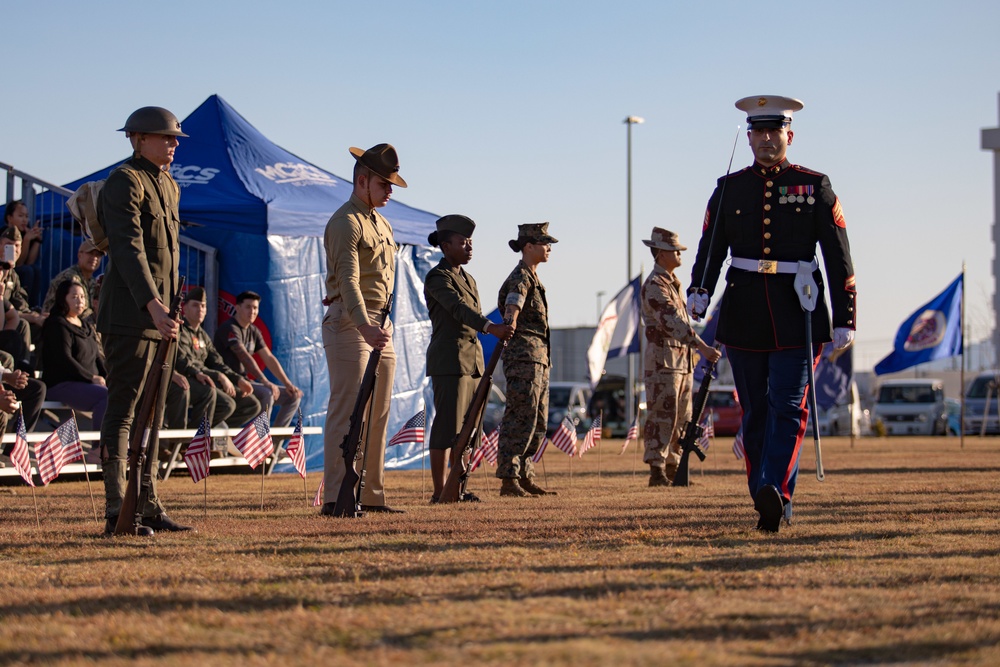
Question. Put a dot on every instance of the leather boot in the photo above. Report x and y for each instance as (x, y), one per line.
(510, 488)
(658, 476)
(529, 485)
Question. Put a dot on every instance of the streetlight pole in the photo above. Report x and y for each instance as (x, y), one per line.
(630, 381)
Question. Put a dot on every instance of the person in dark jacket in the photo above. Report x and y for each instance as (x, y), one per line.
(71, 356)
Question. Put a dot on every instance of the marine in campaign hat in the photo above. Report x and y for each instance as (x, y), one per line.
(381, 159)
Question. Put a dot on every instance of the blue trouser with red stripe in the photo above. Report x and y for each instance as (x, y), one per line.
(772, 392)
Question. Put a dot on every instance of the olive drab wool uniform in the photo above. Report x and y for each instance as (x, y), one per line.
(526, 362)
(668, 363)
(138, 206)
(454, 355)
(361, 273)
(774, 214)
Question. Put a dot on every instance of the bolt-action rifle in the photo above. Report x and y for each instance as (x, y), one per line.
(349, 497)
(140, 463)
(693, 430)
(454, 486)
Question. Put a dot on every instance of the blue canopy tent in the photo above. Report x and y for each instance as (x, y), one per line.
(265, 210)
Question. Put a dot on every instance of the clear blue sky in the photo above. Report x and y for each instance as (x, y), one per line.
(512, 112)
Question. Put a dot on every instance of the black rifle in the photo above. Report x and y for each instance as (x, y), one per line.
(454, 487)
(349, 497)
(693, 430)
(144, 428)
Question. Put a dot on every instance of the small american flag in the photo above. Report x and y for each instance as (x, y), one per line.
(296, 449)
(541, 450)
(487, 449)
(633, 435)
(412, 431)
(738, 445)
(318, 499)
(593, 435)
(60, 448)
(254, 441)
(19, 453)
(565, 437)
(708, 424)
(199, 454)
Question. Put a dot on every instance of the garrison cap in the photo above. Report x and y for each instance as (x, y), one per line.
(459, 224)
(383, 160)
(195, 294)
(532, 232)
(769, 111)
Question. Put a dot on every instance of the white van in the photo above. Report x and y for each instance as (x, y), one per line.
(912, 407)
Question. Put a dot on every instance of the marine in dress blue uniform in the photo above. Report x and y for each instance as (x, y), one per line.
(770, 217)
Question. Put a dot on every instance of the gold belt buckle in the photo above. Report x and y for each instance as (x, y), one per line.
(767, 266)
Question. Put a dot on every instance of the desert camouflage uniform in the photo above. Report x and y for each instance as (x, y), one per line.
(669, 364)
(526, 362)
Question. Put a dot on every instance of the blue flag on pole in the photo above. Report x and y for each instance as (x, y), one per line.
(616, 332)
(934, 331)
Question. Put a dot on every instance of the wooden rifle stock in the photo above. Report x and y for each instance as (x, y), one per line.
(139, 461)
(349, 496)
(473, 418)
(693, 430)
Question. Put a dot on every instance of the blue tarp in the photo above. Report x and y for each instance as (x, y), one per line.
(265, 210)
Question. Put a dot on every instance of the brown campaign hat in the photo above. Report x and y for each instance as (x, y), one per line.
(664, 240)
(460, 224)
(382, 160)
(532, 232)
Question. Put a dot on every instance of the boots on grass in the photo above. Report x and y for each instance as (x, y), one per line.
(658, 476)
(510, 488)
(529, 485)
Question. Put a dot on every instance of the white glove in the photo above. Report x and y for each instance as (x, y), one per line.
(842, 337)
(697, 305)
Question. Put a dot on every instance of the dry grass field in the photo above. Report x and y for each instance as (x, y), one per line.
(892, 560)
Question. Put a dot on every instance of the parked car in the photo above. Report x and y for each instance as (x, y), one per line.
(912, 407)
(608, 400)
(841, 418)
(725, 409)
(954, 409)
(984, 385)
(569, 399)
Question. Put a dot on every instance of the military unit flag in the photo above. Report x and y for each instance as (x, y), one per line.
(296, 449)
(60, 448)
(19, 453)
(593, 435)
(412, 431)
(631, 436)
(199, 451)
(254, 441)
(565, 437)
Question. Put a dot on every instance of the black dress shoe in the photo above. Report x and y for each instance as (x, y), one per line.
(162, 522)
(385, 509)
(140, 531)
(768, 502)
(469, 497)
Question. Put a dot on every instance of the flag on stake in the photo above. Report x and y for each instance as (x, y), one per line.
(199, 451)
(19, 453)
(541, 450)
(412, 431)
(296, 449)
(60, 448)
(565, 437)
(738, 445)
(631, 436)
(593, 435)
(708, 432)
(254, 441)
(318, 500)
(487, 449)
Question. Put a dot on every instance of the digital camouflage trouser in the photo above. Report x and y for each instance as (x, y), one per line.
(524, 419)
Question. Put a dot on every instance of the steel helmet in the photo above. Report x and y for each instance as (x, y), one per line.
(153, 120)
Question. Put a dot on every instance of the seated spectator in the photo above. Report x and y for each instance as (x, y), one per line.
(88, 259)
(10, 236)
(16, 215)
(71, 361)
(237, 339)
(202, 365)
(15, 338)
